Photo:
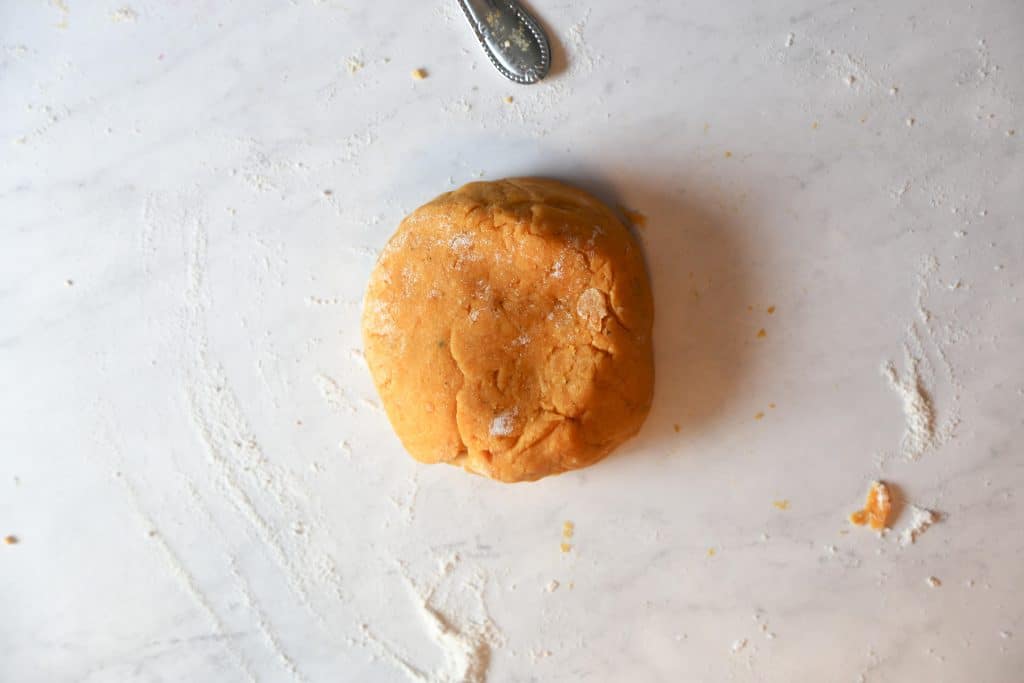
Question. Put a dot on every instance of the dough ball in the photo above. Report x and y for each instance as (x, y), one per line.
(507, 326)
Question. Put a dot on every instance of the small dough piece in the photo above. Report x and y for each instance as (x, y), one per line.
(507, 326)
(877, 507)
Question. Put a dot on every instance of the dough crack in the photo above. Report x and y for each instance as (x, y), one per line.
(458, 392)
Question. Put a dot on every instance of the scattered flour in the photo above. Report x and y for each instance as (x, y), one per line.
(186, 580)
(333, 393)
(458, 625)
(918, 410)
(920, 521)
(466, 650)
(915, 385)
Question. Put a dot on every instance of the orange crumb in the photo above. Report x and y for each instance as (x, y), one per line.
(711, 552)
(759, 415)
(761, 334)
(781, 504)
(10, 540)
(635, 217)
(676, 427)
(877, 506)
(771, 309)
(728, 154)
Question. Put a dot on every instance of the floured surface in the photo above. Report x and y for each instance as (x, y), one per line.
(190, 424)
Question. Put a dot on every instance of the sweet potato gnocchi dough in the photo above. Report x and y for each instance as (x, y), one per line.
(507, 326)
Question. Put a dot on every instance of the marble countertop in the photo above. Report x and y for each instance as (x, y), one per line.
(197, 478)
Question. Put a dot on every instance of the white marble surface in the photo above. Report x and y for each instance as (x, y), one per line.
(193, 462)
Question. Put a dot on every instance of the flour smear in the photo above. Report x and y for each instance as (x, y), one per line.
(453, 615)
(917, 384)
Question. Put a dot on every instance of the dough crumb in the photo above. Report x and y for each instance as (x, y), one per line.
(508, 99)
(877, 506)
(762, 333)
(933, 582)
(10, 540)
(419, 74)
(568, 529)
(124, 14)
(771, 309)
(552, 586)
(354, 65)
(738, 645)
(781, 504)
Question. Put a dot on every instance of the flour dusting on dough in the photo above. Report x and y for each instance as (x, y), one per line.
(504, 424)
(592, 307)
